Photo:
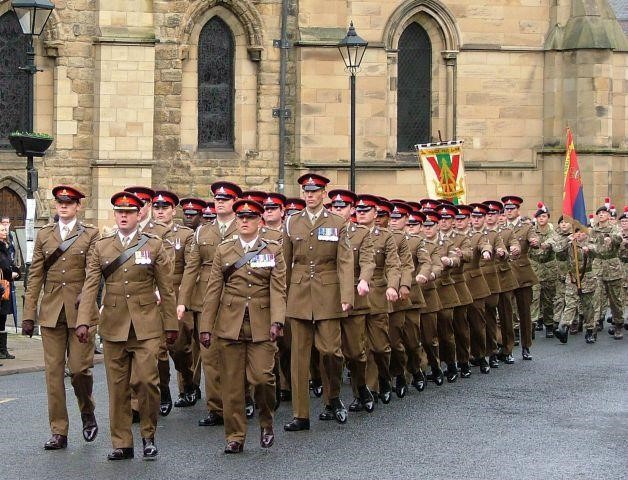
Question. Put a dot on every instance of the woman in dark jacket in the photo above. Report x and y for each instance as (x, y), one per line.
(10, 273)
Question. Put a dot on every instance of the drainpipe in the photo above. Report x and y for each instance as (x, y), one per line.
(283, 112)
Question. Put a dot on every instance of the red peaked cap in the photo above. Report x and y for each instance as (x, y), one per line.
(248, 208)
(429, 204)
(384, 207)
(64, 193)
(225, 190)
(494, 206)
(464, 211)
(400, 209)
(145, 193)
(164, 197)
(431, 217)
(446, 210)
(342, 198)
(192, 206)
(274, 200)
(366, 202)
(126, 201)
(478, 209)
(296, 204)
(416, 218)
(511, 201)
(210, 210)
(312, 182)
(255, 195)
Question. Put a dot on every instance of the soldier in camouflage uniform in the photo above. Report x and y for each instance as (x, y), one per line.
(623, 255)
(562, 263)
(544, 263)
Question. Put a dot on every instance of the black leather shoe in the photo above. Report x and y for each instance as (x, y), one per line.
(611, 330)
(509, 359)
(525, 353)
(326, 414)
(401, 386)
(385, 391)
(187, 398)
(452, 373)
(366, 399)
(234, 447)
(150, 450)
(267, 437)
(590, 336)
(539, 325)
(493, 362)
(249, 409)
(297, 424)
(418, 380)
(549, 331)
(121, 454)
(317, 388)
(437, 377)
(56, 442)
(339, 410)
(285, 395)
(136, 416)
(356, 405)
(211, 420)
(90, 427)
(484, 366)
(465, 370)
(165, 406)
(562, 333)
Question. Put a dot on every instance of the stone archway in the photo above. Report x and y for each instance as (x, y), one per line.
(12, 204)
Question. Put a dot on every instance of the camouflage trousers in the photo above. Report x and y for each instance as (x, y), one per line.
(609, 293)
(575, 303)
(535, 307)
(543, 296)
(559, 300)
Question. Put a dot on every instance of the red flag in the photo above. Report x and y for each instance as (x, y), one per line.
(573, 195)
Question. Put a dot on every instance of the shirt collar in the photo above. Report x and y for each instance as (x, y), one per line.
(70, 224)
(315, 214)
(250, 244)
(131, 235)
(226, 224)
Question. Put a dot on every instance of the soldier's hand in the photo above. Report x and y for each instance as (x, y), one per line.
(363, 288)
(180, 311)
(77, 302)
(446, 261)
(486, 255)
(28, 327)
(515, 251)
(608, 241)
(171, 336)
(534, 242)
(82, 333)
(392, 295)
(422, 279)
(585, 250)
(404, 292)
(501, 252)
(276, 331)
(458, 252)
(346, 307)
(206, 339)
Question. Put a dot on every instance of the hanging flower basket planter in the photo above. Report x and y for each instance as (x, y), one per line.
(29, 144)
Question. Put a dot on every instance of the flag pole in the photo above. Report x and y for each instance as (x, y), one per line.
(577, 263)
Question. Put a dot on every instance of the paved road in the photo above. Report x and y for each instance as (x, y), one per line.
(564, 415)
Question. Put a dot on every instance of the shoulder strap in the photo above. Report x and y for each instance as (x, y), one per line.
(243, 261)
(61, 249)
(124, 256)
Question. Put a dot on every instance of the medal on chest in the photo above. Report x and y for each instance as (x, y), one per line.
(142, 257)
(263, 261)
(327, 234)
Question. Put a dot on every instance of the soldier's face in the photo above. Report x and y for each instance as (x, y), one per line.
(430, 231)
(502, 218)
(414, 229)
(624, 224)
(163, 213)
(511, 213)
(462, 223)
(126, 220)
(382, 220)
(542, 219)
(603, 216)
(248, 226)
(224, 207)
(565, 227)
(273, 215)
(366, 218)
(477, 222)
(67, 210)
(191, 221)
(491, 219)
(446, 224)
(345, 212)
(145, 211)
(313, 199)
(580, 236)
(399, 223)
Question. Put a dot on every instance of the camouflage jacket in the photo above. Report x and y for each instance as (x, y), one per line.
(607, 264)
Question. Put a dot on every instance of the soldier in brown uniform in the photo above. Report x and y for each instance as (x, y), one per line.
(505, 334)
(319, 260)
(383, 291)
(194, 285)
(155, 227)
(522, 268)
(131, 322)
(353, 328)
(208, 214)
(58, 267)
(486, 291)
(243, 314)
(459, 253)
(164, 205)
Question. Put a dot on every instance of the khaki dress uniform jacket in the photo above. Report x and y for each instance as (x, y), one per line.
(62, 285)
(507, 284)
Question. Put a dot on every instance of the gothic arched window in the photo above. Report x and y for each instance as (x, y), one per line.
(14, 91)
(216, 82)
(414, 88)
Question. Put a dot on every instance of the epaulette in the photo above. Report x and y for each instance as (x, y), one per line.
(151, 235)
(266, 228)
(177, 227)
(334, 214)
(357, 226)
(49, 225)
(227, 240)
(109, 234)
(272, 242)
(88, 225)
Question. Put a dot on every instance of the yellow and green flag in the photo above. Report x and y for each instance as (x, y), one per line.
(443, 168)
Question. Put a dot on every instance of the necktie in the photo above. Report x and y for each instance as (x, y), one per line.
(64, 232)
(314, 217)
(223, 230)
(125, 242)
(247, 248)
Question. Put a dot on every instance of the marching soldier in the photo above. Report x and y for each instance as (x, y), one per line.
(524, 233)
(353, 328)
(384, 290)
(61, 253)
(164, 204)
(562, 264)
(608, 240)
(243, 314)
(195, 282)
(320, 293)
(130, 323)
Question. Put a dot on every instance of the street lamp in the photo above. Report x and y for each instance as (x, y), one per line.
(352, 49)
(32, 15)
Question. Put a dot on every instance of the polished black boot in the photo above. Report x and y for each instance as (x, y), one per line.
(590, 336)
(401, 386)
(165, 406)
(539, 325)
(385, 391)
(525, 353)
(549, 331)
(484, 366)
(452, 373)
(418, 380)
(493, 361)
(562, 333)
(465, 370)
(366, 399)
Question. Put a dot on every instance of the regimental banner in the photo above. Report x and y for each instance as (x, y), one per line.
(444, 171)
(573, 194)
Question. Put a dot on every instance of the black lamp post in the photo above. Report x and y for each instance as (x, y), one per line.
(352, 49)
(32, 15)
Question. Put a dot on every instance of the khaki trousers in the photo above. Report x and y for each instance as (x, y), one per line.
(477, 328)
(504, 308)
(242, 361)
(325, 336)
(283, 343)
(493, 335)
(59, 342)
(523, 296)
(182, 352)
(398, 356)
(132, 365)
(412, 341)
(210, 358)
(378, 344)
(429, 338)
(446, 337)
(462, 334)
